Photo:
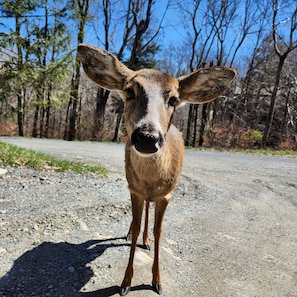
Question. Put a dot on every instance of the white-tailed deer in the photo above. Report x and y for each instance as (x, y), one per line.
(155, 149)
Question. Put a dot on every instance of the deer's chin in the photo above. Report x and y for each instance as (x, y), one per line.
(144, 155)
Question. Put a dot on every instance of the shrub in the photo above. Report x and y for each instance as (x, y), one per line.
(250, 138)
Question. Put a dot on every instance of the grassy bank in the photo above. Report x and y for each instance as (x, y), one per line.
(287, 153)
(18, 157)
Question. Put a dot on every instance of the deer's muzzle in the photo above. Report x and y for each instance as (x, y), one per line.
(146, 142)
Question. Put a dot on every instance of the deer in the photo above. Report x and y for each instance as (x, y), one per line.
(154, 151)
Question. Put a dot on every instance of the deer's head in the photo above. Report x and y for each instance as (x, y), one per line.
(151, 96)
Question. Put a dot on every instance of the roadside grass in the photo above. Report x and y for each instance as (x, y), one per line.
(18, 157)
(284, 153)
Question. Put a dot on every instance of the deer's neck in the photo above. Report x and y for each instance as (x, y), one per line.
(155, 175)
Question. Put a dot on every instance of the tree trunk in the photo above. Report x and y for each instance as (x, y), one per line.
(203, 124)
(83, 10)
(101, 100)
(118, 122)
(272, 102)
(20, 65)
(47, 113)
(20, 115)
(283, 127)
(195, 124)
(67, 119)
(42, 122)
(36, 115)
(72, 118)
(189, 124)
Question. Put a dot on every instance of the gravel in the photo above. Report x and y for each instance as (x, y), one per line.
(230, 229)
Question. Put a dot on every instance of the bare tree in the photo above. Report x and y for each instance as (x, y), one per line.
(102, 95)
(249, 23)
(221, 15)
(81, 11)
(200, 41)
(137, 24)
(284, 13)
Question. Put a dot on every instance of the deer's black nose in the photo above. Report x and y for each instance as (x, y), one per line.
(146, 142)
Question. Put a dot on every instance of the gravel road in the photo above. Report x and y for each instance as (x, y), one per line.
(230, 229)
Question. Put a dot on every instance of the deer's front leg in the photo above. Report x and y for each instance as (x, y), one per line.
(160, 208)
(137, 208)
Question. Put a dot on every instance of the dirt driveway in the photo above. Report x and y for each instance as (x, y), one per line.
(230, 229)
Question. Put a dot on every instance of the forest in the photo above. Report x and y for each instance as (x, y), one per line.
(45, 93)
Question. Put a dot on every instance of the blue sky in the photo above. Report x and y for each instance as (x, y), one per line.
(174, 32)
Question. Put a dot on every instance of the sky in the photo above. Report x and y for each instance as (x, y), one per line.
(173, 31)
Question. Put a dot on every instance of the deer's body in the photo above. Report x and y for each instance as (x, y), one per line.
(155, 149)
(154, 177)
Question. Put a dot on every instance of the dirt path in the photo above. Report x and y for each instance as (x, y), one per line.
(230, 229)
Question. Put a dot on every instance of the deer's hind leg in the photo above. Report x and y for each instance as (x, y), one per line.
(146, 240)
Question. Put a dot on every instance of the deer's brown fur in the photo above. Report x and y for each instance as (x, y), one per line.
(155, 149)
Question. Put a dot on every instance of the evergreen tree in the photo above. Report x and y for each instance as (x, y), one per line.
(31, 58)
(144, 57)
(17, 72)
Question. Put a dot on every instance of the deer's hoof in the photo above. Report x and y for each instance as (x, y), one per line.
(147, 247)
(158, 289)
(124, 291)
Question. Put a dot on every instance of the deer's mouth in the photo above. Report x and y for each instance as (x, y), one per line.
(146, 143)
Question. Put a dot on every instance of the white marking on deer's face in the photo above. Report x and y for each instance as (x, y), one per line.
(149, 109)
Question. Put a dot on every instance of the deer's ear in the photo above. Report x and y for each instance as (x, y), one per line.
(205, 85)
(102, 67)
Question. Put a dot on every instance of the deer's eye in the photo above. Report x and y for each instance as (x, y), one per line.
(173, 100)
(130, 94)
